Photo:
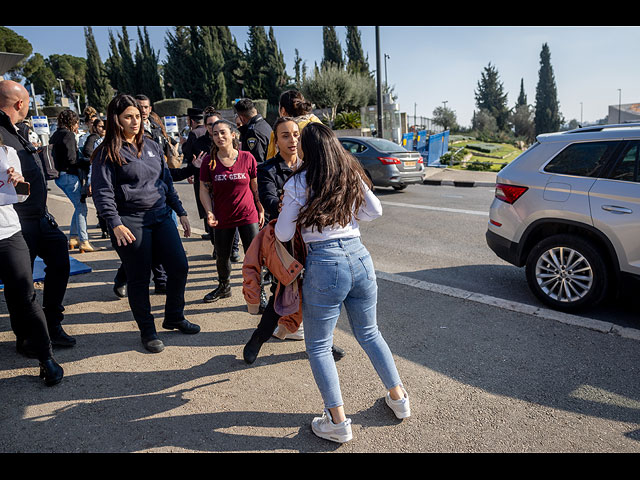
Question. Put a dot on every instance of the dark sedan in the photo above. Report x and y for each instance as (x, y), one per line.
(387, 164)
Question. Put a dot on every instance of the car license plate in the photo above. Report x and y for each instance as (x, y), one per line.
(409, 164)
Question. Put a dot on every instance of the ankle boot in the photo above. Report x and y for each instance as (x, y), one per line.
(223, 291)
(73, 243)
(51, 372)
(252, 348)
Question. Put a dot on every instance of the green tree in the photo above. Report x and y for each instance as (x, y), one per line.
(99, 90)
(490, 96)
(129, 84)
(357, 63)
(276, 77)
(445, 117)
(522, 117)
(39, 74)
(208, 67)
(334, 88)
(300, 69)
(522, 97)
(257, 53)
(235, 63)
(332, 51)
(113, 65)
(11, 42)
(178, 79)
(147, 75)
(73, 71)
(547, 110)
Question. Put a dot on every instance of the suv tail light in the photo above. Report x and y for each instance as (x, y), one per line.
(509, 193)
(389, 160)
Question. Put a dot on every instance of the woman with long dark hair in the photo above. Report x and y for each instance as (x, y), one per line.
(133, 191)
(326, 198)
(229, 195)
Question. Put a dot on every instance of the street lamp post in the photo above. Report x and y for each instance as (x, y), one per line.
(619, 104)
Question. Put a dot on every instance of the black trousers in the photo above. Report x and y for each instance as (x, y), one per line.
(224, 244)
(269, 319)
(26, 315)
(45, 240)
(157, 237)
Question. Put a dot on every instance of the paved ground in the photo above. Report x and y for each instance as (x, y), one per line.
(481, 378)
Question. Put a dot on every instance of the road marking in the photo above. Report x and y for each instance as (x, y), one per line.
(438, 209)
(566, 318)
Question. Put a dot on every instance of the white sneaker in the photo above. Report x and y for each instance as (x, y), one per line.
(283, 334)
(401, 406)
(324, 427)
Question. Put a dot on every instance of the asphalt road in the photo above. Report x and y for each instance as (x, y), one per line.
(481, 377)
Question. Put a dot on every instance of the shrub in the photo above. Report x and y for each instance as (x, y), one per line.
(172, 107)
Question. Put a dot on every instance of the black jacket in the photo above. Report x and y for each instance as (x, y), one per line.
(65, 152)
(255, 136)
(35, 207)
(272, 176)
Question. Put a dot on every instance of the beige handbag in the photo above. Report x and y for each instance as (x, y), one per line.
(174, 159)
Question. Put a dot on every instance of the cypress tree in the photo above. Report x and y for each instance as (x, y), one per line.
(547, 115)
(147, 75)
(129, 83)
(490, 96)
(522, 98)
(235, 64)
(99, 91)
(332, 51)
(179, 81)
(257, 60)
(208, 68)
(113, 64)
(276, 77)
(357, 63)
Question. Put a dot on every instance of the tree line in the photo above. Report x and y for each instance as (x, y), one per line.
(495, 121)
(203, 64)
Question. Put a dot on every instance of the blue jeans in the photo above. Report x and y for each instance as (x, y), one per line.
(70, 185)
(336, 272)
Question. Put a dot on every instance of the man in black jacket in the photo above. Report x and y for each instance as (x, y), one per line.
(255, 132)
(39, 228)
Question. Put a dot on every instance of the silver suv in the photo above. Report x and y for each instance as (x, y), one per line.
(568, 209)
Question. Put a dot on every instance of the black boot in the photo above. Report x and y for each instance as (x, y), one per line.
(252, 348)
(223, 291)
(51, 372)
(59, 338)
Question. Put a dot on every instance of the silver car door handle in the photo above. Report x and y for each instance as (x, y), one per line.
(614, 209)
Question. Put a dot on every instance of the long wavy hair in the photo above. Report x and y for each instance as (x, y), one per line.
(334, 179)
(214, 148)
(114, 137)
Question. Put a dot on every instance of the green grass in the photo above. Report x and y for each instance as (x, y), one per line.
(503, 153)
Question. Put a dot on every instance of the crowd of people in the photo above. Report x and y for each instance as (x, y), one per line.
(289, 193)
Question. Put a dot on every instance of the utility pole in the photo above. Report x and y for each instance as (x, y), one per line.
(379, 80)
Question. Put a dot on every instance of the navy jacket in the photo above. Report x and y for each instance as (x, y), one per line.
(140, 185)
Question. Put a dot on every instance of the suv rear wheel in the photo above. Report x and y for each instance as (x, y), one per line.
(567, 272)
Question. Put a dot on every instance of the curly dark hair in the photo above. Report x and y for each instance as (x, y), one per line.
(67, 119)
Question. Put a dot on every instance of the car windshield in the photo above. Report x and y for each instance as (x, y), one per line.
(383, 145)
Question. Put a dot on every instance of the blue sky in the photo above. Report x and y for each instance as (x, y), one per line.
(429, 65)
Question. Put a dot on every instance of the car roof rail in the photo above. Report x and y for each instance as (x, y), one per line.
(599, 128)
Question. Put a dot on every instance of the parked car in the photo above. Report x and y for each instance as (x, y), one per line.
(386, 163)
(568, 210)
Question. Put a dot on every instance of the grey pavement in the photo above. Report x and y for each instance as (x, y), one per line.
(480, 378)
(458, 178)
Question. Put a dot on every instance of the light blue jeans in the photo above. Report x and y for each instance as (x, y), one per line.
(336, 272)
(70, 185)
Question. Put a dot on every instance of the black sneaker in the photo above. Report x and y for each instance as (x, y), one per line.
(120, 290)
(337, 352)
(223, 291)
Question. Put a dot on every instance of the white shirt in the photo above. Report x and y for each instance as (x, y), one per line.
(9, 221)
(295, 197)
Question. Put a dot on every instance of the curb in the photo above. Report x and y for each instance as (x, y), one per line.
(458, 183)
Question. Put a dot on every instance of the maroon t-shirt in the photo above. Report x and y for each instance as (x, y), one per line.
(233, 200)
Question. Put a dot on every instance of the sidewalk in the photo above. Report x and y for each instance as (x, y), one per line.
(459, 178)
(475, 373)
